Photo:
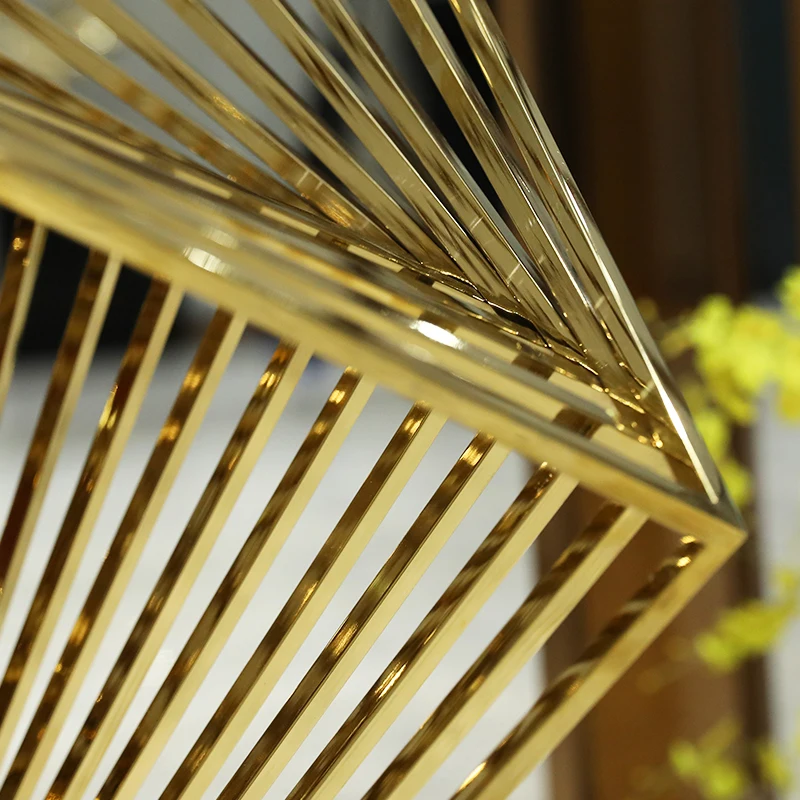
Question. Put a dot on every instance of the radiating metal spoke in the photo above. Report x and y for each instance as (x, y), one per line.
(379, 603)
(303, 609)
(545, 492)
(177, 433)
(19, 276)
(266, 146)
(78, 344)
(114, 428)
(237, 588)
(268, 402)
(637, 625)
(545, 608)
(306, 125)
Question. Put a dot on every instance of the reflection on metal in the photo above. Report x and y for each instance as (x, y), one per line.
(511, 320)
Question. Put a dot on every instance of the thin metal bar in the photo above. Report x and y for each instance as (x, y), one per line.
(509, 540)
(390, 152)
(273, 152)
(303, 609)
(72, 363)
(547, 170)
(177, 433)
(237, 588)
(554, 596)
(477, 214)
(295, 113)
(524, 207)
(114, 428)
(268, 402)
(374, 609)
(21, 77)
(579, 687)
(21, 268)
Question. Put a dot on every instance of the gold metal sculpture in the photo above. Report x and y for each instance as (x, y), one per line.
(511, 320)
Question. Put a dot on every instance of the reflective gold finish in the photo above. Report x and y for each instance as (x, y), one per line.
(522, 331)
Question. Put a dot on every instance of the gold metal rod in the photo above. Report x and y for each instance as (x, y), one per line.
(389, 151)
(268, 402)
(19, 276)
(114, 428)
(268, 147)
(75, 354)
(554, 596)
(286, 163)
(374, 609)
(303, 609)
(509, 540)
(579, 687)
(548, 172)
(350, 312)
(237, 588)
(177, 433)
(54, 96)
(477, 214)
(524, 207)
(302, 120)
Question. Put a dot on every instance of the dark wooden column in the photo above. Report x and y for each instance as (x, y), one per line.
(645, 98)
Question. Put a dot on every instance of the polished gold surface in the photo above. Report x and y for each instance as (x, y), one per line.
(506, 315)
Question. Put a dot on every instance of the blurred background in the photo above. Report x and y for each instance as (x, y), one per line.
(680, 120)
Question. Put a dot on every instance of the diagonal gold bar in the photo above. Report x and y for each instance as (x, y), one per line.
(19, 276)
(292, 110)
(387, 149)
(268, 402)
(548, 172)
(376, 606)
(115, 426)
(543, 611)
(637, 625)
(437, 156)
(305, 606)
(78, 344)
(274, 153)
(177, 433)
(54, 96)
(252, 563)
(509, 540)
(524, 207)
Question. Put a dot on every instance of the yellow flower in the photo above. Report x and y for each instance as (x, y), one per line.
(773, 766)
(685, 759)
(715, 430)
(737, 479)
(723, 780)
(717, 653)
(754, 348)
(710, 323)
(789, 291)
(789, 380)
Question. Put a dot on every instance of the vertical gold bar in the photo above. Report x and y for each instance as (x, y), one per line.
(308, 601)
(578, 689)
(115, 426)
(379, 603)
(175, 438)
(509, 540)
(72, 363)
(554, 596)
(22, 266)
(268, 402)
(237, 588)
